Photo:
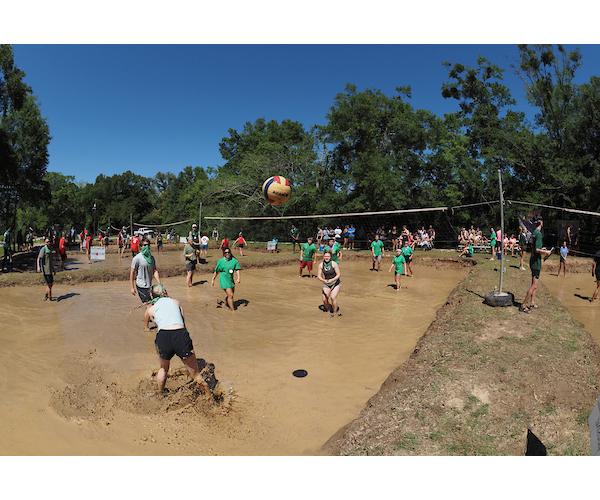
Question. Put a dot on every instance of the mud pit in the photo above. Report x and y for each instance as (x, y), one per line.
(76, 373)
(574, 292)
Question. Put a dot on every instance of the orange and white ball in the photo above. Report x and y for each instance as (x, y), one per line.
(277, 190)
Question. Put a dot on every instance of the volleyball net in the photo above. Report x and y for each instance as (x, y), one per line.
(578, 227)
(361, 227)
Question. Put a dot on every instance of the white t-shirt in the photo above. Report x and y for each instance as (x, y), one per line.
(338, 233)
(204, 240)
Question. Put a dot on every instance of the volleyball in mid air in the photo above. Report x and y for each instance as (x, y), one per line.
(277, 190)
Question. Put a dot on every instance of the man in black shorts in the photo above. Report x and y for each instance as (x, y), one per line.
(45, 265)
(172, 338)
(143, 270)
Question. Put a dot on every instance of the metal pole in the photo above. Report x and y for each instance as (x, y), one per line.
(131, 224)
(501, 231)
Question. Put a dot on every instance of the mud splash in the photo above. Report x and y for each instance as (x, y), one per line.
(94, 394)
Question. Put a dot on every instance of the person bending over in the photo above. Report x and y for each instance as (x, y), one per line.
(172, 338)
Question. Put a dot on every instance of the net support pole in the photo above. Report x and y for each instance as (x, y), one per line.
(501, 232)
(131, 224)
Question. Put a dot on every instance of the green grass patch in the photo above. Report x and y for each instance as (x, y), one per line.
(409, 442)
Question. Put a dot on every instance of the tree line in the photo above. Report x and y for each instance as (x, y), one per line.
(374, 152)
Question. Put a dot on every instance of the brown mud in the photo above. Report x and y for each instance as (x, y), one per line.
(76, 373)
(574, 292)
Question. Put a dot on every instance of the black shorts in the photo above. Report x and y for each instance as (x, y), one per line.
(535, 273)
(144, 294)
(49, 279)
(190, 265)
(171, 342)
(562, 259)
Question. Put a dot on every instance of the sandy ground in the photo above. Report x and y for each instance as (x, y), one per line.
(76, 372)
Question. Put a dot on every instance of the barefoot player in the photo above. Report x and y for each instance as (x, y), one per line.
(407, 251)
(308, 255)
(143, 269)
(398, 265)
(564, 251)
(329, 274)
(172, 337)
(229, 269)
(45, 266)
(377, 252)
(190, 256)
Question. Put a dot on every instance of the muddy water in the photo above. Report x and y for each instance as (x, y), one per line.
(574, 292)
(75, 372)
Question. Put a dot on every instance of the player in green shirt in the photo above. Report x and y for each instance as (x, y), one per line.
(335, 249)
(407, 251)
(535, 263)
(468, 251)
(226, 267)
(308, 255)
(377, 252)
(493, 242)
(398, 265)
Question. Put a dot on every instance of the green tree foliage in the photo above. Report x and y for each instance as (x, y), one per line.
(24, 139)
(374, 152)
(378, 147)
(260, 150)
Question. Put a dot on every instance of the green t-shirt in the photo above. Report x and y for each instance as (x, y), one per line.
(399, 262)
(308, 251)
(226, 269)
(334, 250)
(470, 250)
(407, 251)
(493, 238)
(522, 240)
(294, 232)
(377, 247)
(535, 261)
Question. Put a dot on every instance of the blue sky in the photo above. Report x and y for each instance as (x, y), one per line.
(149, 108)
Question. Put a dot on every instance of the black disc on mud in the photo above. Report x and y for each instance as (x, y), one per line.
(299, 373)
